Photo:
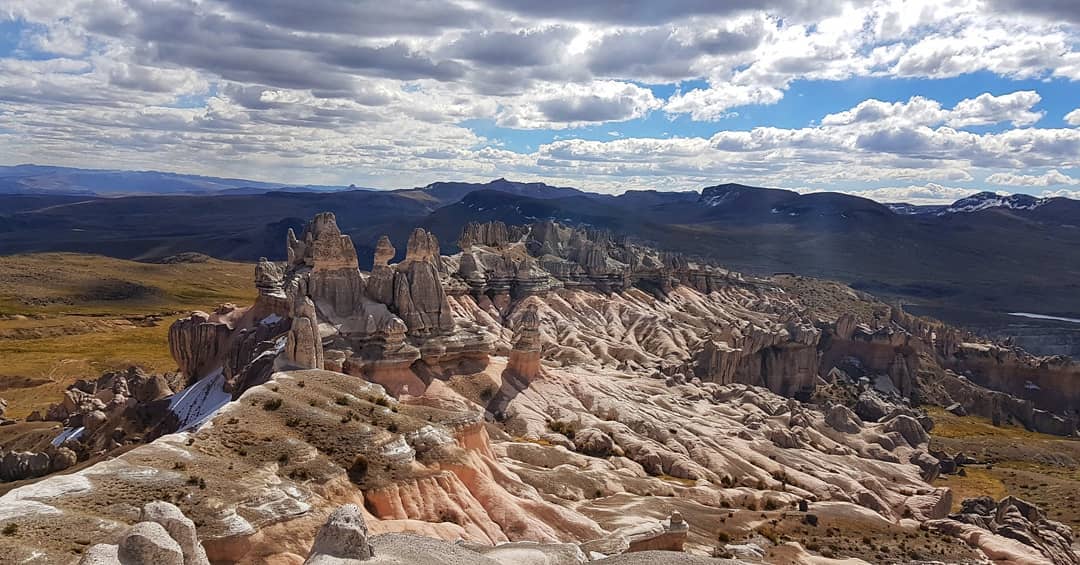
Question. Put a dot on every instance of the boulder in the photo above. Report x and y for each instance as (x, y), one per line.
(871, 407)
(180, 528)
(842, 419)
(594, 442)
(63, 458)
(910, 429)
(148, 542)
(343, 536)
(100, 554)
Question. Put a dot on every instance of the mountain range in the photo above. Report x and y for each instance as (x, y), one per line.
(66, 181)
(984, 253)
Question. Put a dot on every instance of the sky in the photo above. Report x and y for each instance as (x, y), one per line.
(923, 101)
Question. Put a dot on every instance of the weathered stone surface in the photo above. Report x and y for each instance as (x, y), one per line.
(384, 252)
(593, 442)
(179, 527)
(841, 418)
(322, 246)
(100, 554)
(198, 343)
(303, 346)
(148, 542)
(343, 536)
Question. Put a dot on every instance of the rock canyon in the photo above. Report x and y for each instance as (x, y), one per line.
(549, 394)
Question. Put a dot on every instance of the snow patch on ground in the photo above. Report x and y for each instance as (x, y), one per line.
(68, 433)
(1044, 317)
(197, 403)
(984, 200)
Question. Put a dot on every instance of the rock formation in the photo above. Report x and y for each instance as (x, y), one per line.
(1008, 530)
(524, 360)
(549, 393)
(163, 535)
(343, 537)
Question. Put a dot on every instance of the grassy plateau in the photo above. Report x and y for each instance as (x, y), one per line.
(66, 316)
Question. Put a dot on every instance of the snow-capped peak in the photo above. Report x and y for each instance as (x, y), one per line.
(984, 200)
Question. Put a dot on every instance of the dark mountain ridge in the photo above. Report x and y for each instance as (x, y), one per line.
(1002, 255)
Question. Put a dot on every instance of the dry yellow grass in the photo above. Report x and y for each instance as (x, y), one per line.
(1040, 468)
(946, 425)
(978, 482)
(67, 316)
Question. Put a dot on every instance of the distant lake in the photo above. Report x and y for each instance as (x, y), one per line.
(1044, 317)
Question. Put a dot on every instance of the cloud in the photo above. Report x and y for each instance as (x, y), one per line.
(713, 103)
(1061, 193)
(398, 93)
(637, 12)
(1054, 10)
(987, 109)
(921, 195)
(1049, 178)
(576, 105)
(522, 48)
(984, 109)
(666, 54)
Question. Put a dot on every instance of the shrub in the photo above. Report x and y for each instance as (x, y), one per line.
(272, 404)
(292, 422)
(11, 529)
(723, 537)
(342, 400)
(358, 469)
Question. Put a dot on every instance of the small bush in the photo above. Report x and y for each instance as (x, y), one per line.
(283, 459)
(810, 520)
(292, 422)
(342, 400)
(392, 428)
(301, 384)
(11, 529)
(382, 401)
(723, 537)
(272, 404)
(359, 468)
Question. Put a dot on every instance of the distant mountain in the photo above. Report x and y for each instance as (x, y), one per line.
(974, 203)
(39, 179)
(444, 193)
(984, 252)
(984, 200)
